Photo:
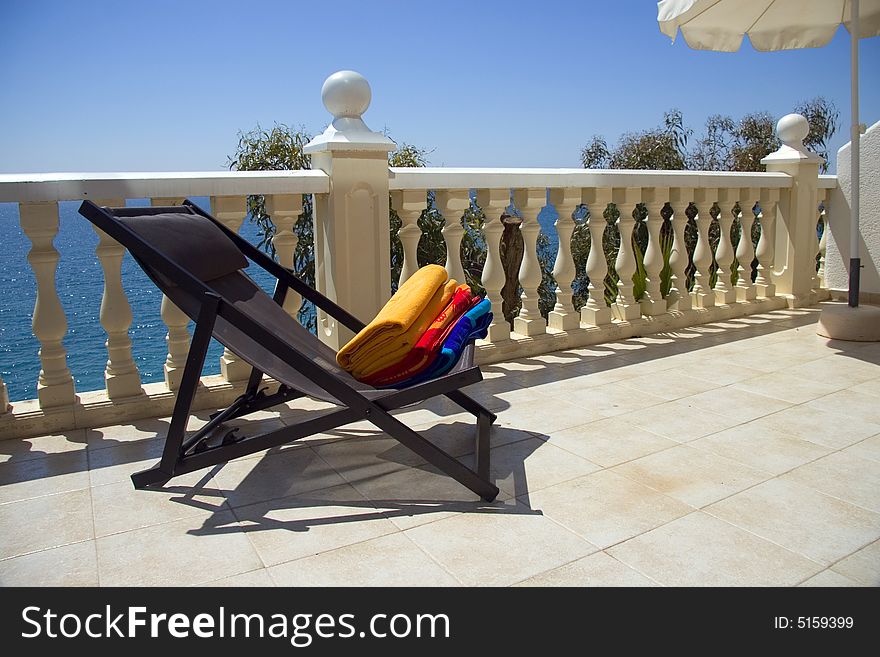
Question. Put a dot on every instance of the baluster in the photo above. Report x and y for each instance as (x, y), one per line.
(176, 321)
(452, 203)
(285, 209)
(764, 284)
(563, 316)
(823, 243)
(702, 295)
(679, 298)
(493, 202)
(626, 307)
(121, 376)
(595, 311)
(814, 241)
(4, 397)
(745, 248)
(652, 302)
(409, 205)
(529, 320)
(724, 292)
(39, 221)
(231, 211)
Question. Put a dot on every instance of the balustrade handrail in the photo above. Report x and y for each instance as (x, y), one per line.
(39, 187)
(402, 178)
(827, 181)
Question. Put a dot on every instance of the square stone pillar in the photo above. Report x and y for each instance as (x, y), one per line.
(352, 231)
(794, 261)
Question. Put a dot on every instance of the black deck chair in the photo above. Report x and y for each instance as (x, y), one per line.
(197, 262)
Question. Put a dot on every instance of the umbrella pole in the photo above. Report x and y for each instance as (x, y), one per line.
(855, 134)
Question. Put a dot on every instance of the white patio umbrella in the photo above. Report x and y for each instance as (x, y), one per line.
(782, 25)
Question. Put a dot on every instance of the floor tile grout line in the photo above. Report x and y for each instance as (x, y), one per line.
(550, 570)
(691, 508)
(352, 544)
(609, 467)
(598, 551)
(45, 549)
(735, 526)
(708, 512)
(764, 538)
(635, 570)
(42, 495)
(431, 557)
(769, 476)
(246, 572)
(844, 558)
(94, 525)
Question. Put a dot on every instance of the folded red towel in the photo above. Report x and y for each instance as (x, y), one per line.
(428, 345)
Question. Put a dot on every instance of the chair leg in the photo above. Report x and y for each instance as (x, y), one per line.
(192, 372)
(481, 451)
(149, 477)
(470, 404)
(433, 454)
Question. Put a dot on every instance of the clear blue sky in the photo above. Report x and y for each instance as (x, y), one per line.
(166, 85)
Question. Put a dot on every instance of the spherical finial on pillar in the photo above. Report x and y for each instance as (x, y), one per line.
(792, 129)
(346, 94)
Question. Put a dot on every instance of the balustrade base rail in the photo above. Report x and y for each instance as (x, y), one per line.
(96, 409)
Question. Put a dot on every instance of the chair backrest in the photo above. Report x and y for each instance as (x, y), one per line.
(186, 254)
(190, 240)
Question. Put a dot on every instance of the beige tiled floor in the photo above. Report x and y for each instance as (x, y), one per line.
(745, 452)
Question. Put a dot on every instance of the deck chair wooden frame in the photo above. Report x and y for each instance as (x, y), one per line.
(204, 302)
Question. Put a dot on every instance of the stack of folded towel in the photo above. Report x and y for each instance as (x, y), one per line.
(420, 333)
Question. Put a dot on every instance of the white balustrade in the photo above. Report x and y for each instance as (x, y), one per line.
(285, 209)
(652, 302)
(231, 211)
(702, 295)
(452, 203)
(177, 338)
(679, 298)
(724, 255)
(563, 316)
(39, 221)
(745, 248)
(121, 376)
(595, 311)
(284, 190)
(493, 202)
(764, 284)
(409, 205)
(823, 242)
(529, 202)
(625, 306)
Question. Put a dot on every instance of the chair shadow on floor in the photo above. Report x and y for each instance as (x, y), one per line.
(374, 477)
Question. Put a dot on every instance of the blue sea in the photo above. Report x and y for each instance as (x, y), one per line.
(80, 285)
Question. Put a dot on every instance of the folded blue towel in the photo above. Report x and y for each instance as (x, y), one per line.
(472, 325)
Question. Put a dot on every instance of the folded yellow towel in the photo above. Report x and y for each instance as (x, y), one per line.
(381, 354)
(397, 317)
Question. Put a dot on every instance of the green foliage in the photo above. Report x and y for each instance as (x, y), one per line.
(727, 145)
(408, 155)
(280, 149)
(755, 139)
(660, 148)
(824, 119)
